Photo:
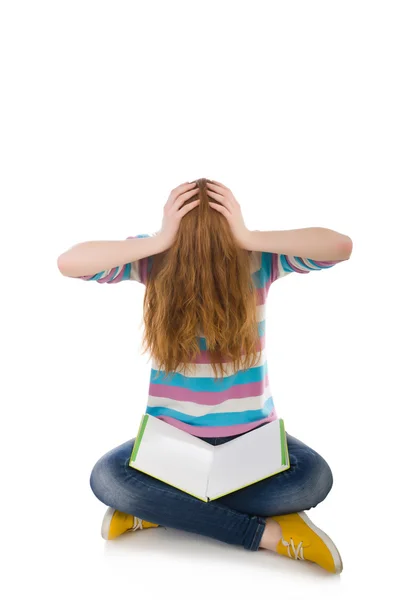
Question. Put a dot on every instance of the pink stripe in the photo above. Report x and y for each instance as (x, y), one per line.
(274, 268)
(108, 278)
(116, 279)
(143, 269)
(217, 431)
(260, 295)
(326, 263)
(294, 267)
(182, 394)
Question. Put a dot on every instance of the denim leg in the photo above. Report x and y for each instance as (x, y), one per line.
(120, 486)
(304, 485)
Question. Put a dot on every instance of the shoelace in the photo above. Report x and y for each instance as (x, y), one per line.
(137, 524)
(296, 550)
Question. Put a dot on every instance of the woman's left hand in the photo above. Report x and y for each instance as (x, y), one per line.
(231, 209)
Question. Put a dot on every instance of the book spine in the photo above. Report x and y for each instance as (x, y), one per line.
(138, 440)
(283, 442)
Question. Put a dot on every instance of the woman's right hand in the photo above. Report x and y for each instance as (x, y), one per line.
(173, 213)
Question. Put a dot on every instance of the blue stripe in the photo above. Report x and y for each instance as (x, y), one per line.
(261, 327)
(312, 266)
(209, 384)
(263, 274)
(284, 264)
(126, 274)
(301, 262)
(312, 262)
(202, 343)
(97, 276)
(150, 263)
(266, 266)
(215, 419)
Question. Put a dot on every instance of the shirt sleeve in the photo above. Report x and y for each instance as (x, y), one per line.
(269, 266)
(136, 270)
(284, 264)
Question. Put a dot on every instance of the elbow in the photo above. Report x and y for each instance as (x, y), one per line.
(345, 247)
(61, 264)
(64, 266)
(340, 245)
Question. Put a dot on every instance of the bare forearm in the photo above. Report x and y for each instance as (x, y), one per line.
(317, 243)
(92, 257)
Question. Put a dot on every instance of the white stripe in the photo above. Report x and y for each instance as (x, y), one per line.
(106, 273)
(310, 266)
(134, 273)
(260, 312)
(206, 369)
(199, 410)
(307, 268)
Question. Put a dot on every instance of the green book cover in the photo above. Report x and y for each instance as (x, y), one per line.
(139, 437)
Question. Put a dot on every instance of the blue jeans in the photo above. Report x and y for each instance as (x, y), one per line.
(238, 518)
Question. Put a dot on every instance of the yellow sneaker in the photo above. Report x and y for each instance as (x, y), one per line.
(302, 540)
(115, 523)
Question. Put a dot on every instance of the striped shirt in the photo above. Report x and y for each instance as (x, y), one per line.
(198, 403)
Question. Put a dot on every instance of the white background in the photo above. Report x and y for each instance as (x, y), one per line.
(107, 106)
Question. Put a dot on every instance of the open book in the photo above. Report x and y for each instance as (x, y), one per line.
(205, 471)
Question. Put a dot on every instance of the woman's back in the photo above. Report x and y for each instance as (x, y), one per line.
(196, 401)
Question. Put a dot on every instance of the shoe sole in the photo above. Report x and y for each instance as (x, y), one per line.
(106, 522)
(327, 540)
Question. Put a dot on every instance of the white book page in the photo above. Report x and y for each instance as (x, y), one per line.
(175, 457)
(246, 459)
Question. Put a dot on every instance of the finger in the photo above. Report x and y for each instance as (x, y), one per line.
(187, 183)
(221, 190)
(227, 194)
(187, 208)
(213, 181)
(215, 195)
(183, 197)
(220, 209)
(223, 199)
(214, 186)
(186, 186)
(180, 190)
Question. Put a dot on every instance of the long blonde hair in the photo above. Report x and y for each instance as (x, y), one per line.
(201, 285)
